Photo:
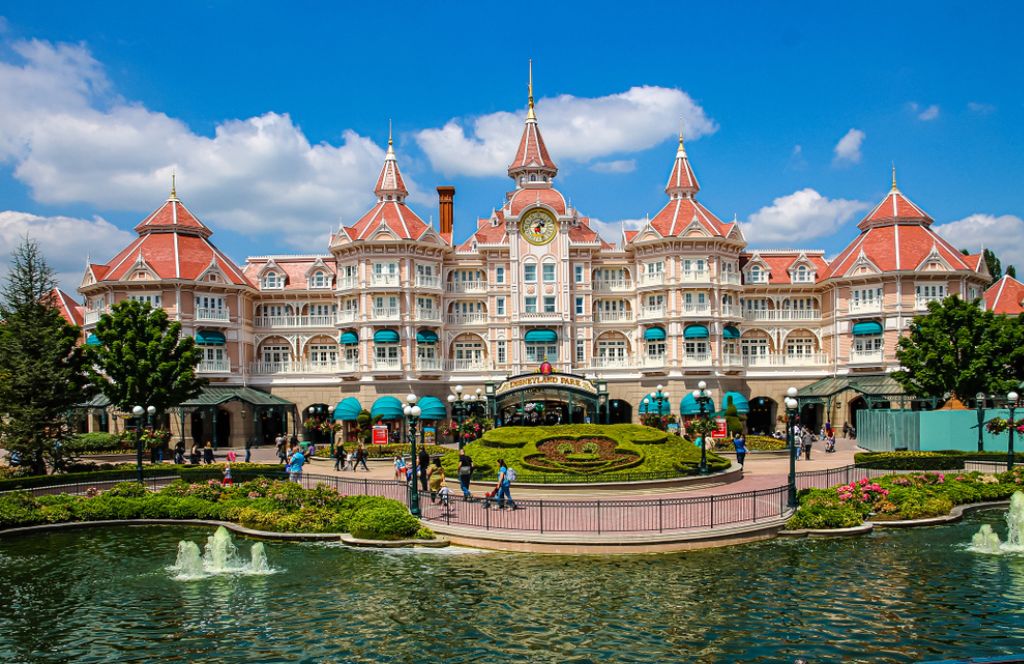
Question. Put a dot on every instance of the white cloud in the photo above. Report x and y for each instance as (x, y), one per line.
(847, 150)
(574, 128)
(615, 166)
(611, 231)
(1003, 234)
(65, 242)
(930, 113)
(800, 216)
(72, 139)
(980, 108)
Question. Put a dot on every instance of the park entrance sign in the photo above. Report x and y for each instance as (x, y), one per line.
(547, 397)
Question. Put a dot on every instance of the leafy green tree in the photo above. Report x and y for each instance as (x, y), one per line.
(1011, 271)
(732, 418)
(957, 347)
(143, 360)
(42, 367)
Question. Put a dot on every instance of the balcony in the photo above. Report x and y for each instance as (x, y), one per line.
(613, 285)
(347, 316)
(327, 320)
(695, 276)
(466, 365)
(732, 311)
(427, 281)
(730, 278)
(613, 316)
(476, 318)
(649, 312)
(347, 283)
(214, 366)
(922, 302)
(384, 281)
(94, 316)
(611, 363)
(304, 367)
(653, 361)
(652, 279)
(386, 313)
(865, 306)
(696, 309)
(466, 287)
(390, 365)
(423, 313)
(732, 360)
(213, 315)
(783, 360)
(870, 357)
(781, 315)
(428, 364)
(540, 316)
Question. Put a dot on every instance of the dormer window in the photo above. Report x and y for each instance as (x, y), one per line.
(533, 177)
(757, 275)
(319, 279)
(272, 281)
(802, 275)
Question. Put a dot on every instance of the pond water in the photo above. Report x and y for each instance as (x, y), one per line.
(96, 595)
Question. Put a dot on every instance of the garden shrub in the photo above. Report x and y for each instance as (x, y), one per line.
(99, 442)
(383, 521)
(910, 460)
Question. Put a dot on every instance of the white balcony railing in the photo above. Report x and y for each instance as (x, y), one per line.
(922, 302)
(696, 309)
(323, 320)
(218, 315)
(695, 276)
(476, 318)
(304, 367)
(653, 361)
(782, 314)
(783, 360)
(215, 366)
(613, 316)
(387, 364)
(613, 285)
(428, 364)
(427, 281)
(652, 311)
(94, 316)
(611, 363)
(729, 278)
(347, 316)
(732, 360)
(652, 279)
(540, 315)
(386, 313)
(385, 280)
(732, 311)
(423, 313)
(466, 286)
(347, 283)
(865, 307)
(697, 359)
(867, 357)
(466, 365)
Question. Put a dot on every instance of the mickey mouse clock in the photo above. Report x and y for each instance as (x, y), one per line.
(538, 227)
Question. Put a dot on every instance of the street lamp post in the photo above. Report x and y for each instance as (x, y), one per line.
(412, 413)
(138, 412)
(459, 404)
(791, 409)
(1011, 400)
(979, 402)
(702, 398)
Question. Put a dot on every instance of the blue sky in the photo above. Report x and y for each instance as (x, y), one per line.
(275, 116)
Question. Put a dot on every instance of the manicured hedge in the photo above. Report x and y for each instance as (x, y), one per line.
(129, 472)
(262, 504)
(939, 460)
(384, 451)
(99, 442)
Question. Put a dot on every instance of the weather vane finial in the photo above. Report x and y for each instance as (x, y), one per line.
(894, 176)
(530, 115)
(174, 193)
(390, 142)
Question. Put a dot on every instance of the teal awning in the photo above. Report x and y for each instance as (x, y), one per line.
(348, 338)
(654, 334)
(695, 332)
(689, 406)
(433, 409)
(426, 337)
(865, 328)
(730, 332)
(652, 406)
(93, 340)
(387, 408)
(210, 338)
(738, 400)
(385, 337)
(541, 337)
(347, 410)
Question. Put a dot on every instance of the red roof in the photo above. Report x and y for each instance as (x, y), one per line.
(1005, 296)
(780, 263)
(582, 232)
(677, 215)
(897, 247)
(895, 207)
(682, 179)
(486, 233)
(394, 215)
(629, 235)
(532, 153)
(173, 256)
(69, 309)
(295, 268)
(173, 216)
(524, 198)
(390, 181)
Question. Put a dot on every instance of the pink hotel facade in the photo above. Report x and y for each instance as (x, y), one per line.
(394, 305)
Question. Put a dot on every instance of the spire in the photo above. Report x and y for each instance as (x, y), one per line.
(532, 161)
(895, 208)
(390, 185)
(894, 177)
(681, 181)
(174, 193)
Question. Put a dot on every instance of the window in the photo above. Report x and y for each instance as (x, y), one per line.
(386, 352)
(323, 355)
(755, 304)
(323, 312)
(275, 354)
(549, 272)
(802, 346)
(319, 279)
(469, 352)
(611, 351)
(152, 299)
(757, 275)
(499, 304)
(802, 275)
(499, 274)
(696, 348)
(579, 306)
(655, 301)
(350, 306)
(502, 348)
(581, 351)
(537, 353)
(863, 297)
(531, 305)
(272, 280)
(347, 276)
(549, 304)
(694, 265)
(800, 304)
(578, 273)
(530, 273)
(868, 344)
(424, 270)
(656, 349)
(754, 347)
(425, 303)
(352, 354)
(213, 354)
(928, 292)
(385, 268)
(210, 303)
(426, 351)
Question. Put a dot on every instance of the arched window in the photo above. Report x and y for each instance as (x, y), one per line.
(319, 279)
(530, 272)
(756, 275)
(802, 275)
(272, 280)
(533, 177)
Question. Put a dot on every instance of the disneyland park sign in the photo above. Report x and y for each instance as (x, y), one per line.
(544, 381)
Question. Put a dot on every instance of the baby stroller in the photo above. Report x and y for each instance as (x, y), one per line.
(830, 443)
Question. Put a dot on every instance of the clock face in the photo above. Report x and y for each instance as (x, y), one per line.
(538, 227)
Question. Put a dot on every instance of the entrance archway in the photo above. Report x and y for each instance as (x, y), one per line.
(315, 414)
(856, 404)
(619, 412)
(206, 430)
(761, 419)
(273, 422)
(810, 416)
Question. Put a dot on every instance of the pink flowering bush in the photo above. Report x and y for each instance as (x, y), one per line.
(864, 491)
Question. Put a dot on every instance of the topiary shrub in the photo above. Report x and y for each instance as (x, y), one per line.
(910, 460)
(732, 419)
(386, 520)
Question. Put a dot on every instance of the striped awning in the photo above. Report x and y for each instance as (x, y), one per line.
(654, 334)
(347, 410)
(385, 337)
(541, 336)
(210, 338)
(867, 328)
(695, 332)
(348, 338)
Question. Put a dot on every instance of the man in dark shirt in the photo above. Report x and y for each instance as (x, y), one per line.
(465, 473)
(422, 462)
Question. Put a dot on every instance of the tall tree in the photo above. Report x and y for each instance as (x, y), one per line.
(958, 347)
(42, 367)
(1011, 271)
(995, 267)
(142, 359)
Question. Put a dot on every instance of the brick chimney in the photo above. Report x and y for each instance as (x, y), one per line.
(446, 211)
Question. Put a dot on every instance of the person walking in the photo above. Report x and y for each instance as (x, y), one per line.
(465, 473)
(361, 456)
(435, 478)
(179, 453)
(227, 481)
(339, 456)
(194, 454)
(231, 456)
(740, 443)
(399, 467)
(808, 440)
(208, 453)
(282, 453)
(248, 448)
(502, 490)
(295, 465)
(423, 460)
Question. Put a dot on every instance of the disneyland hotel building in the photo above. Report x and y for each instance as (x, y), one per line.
(396, 306)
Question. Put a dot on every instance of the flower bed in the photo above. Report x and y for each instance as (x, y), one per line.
(557, 453)
(383, 451)
(754, 444)
(262, 504)
(900, 498)
(939, 460)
